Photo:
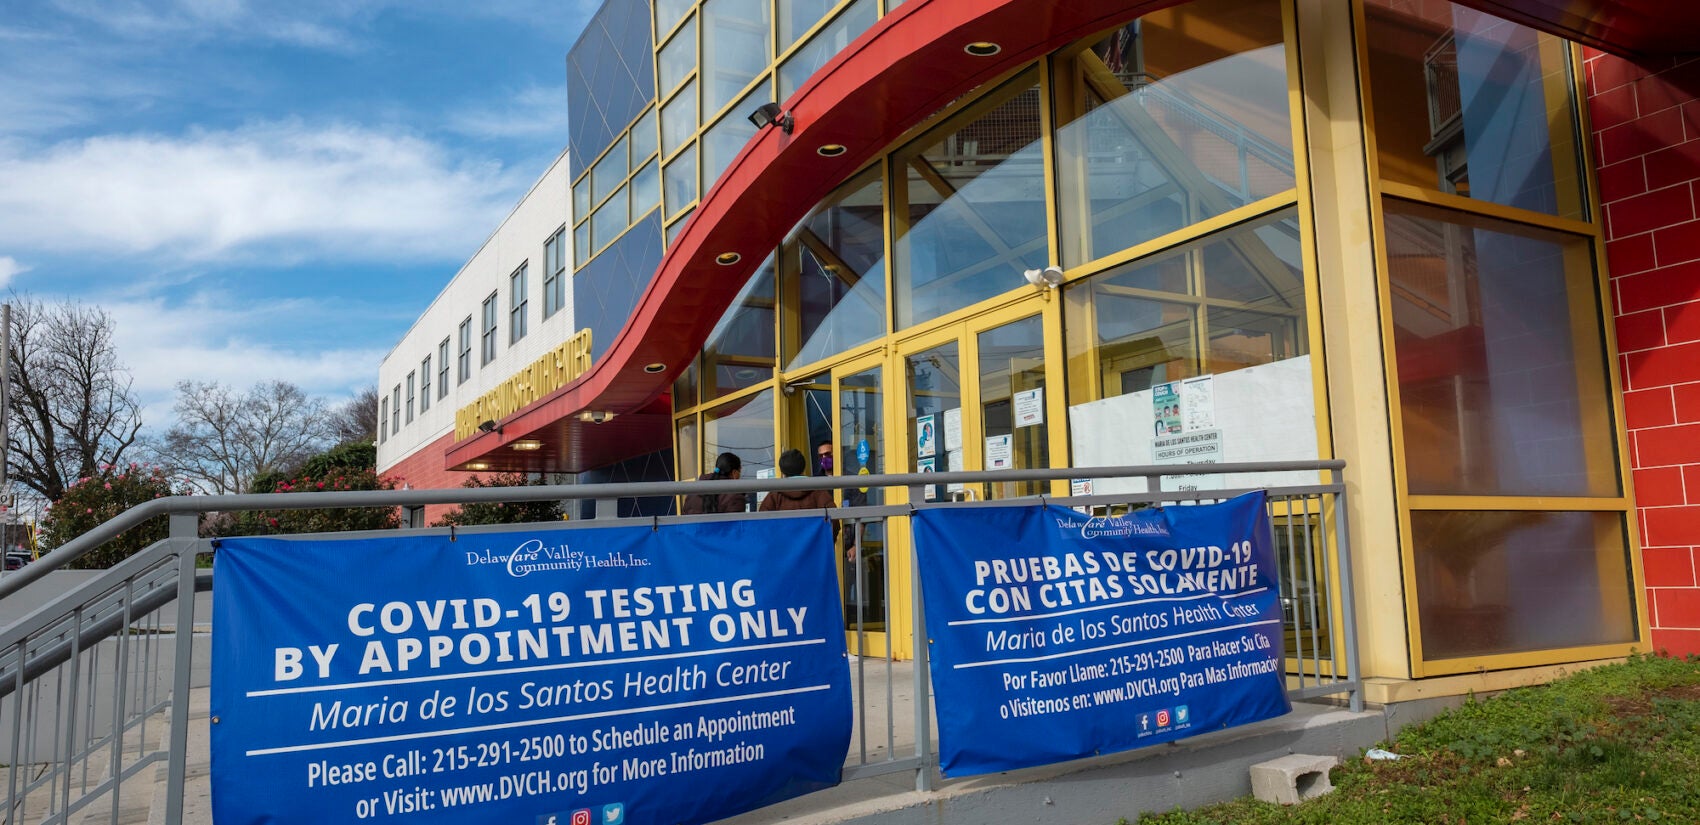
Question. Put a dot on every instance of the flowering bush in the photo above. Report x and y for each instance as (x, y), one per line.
(270, 522)
(518, 512)
(96, 499)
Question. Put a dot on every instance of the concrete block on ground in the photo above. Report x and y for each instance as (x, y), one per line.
(1292, 779)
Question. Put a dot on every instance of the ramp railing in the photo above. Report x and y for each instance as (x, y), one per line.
(95, 684)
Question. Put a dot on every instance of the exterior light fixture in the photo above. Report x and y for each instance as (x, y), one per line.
(768, 114)
(1048, 278)
(655, 368)
(982, 48)
(478, 465)
(728, 258)
(596, 416)
(831, 150)
(487, 426)
(527, 444)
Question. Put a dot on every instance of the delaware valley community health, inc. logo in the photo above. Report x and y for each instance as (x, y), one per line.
(531, 557)
(1079, 527)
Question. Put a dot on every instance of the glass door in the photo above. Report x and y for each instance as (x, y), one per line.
(1011, 401)
(860, 450)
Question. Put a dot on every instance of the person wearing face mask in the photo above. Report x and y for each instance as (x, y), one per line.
(823, 458)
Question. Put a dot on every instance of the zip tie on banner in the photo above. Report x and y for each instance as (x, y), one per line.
(911, 508)
(655, 524)
(1042, 501)
(213, 544)
(451, 533)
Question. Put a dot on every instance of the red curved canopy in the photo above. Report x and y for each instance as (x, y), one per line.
(910, 64)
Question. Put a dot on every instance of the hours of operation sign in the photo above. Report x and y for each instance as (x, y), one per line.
(677, 674)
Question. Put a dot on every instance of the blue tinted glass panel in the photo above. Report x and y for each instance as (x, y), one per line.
(679, 179)
(823, 46)
(679, 119)
(606, 290)
(646, 189)
(610, 78)
(725, 139)
(736, 46)
(643, 139)
(678, 57)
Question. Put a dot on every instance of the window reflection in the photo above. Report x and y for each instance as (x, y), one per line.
(1229, 301)
(678, 58)
(1176, 117)
(724, 140)
(974, 205)
(744, 427)
(609, 221)
(740, 351)
(736, 46)
(1511, 581)
(837, 254)
(679, 119)
(824, 45)
(679, 180)
(1012, 381)
(935, 394)
(1502, 383)
(1500, 119)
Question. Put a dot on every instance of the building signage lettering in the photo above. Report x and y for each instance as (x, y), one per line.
(560, 367)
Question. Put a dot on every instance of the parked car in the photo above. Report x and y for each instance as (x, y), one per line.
(16, 559)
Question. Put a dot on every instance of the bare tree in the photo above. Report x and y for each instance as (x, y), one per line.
(71, 409)
(222, 440)
(356, 420)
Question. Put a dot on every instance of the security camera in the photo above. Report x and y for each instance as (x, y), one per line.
(1048, 278)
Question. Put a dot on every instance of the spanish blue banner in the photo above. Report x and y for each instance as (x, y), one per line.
(616, 675)
(1057, 636)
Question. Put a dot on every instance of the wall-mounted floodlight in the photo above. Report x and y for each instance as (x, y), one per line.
(1049, 277)
(768, 114)
(488, 426)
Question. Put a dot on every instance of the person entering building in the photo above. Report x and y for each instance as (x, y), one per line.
(727, 467)
(791, 465)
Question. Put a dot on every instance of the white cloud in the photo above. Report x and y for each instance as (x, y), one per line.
(283, 190)
(532, 112)
(9, 268)
(211, 337)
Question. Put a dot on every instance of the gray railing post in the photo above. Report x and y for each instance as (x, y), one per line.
(183, 535)
(923, 684)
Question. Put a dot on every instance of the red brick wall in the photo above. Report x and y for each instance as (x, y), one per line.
(423, 470)
(1646, 119)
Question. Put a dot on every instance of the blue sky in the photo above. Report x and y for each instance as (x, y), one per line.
(274, 189)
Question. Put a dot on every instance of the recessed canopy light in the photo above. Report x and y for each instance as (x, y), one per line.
(527, 444)
(831, 150)
(655, 367)
(728, 258)
(982, 48)
(477, 465)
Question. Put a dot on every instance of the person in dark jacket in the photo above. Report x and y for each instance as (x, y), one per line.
(791, 465)
(726, 467)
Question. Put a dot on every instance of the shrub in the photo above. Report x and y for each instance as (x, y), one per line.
(517, 512)
(96, 499)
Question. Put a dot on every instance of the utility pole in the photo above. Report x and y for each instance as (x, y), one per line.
(11, 514)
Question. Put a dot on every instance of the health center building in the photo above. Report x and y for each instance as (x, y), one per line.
(1455, 245)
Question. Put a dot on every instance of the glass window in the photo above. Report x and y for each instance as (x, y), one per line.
(410, 397)
(679, 180)
(1499, 122)
(935, 391)
(667, 12)
(725, 139)
(678, 58)
(736, 46)
(973, 205)
(518, 299)
(1495, 581)
(581, 197)
(581, 242)
(425, 384)
(678, 225)
(824, 45)
(383, 420)
(646, 189)
(685, 388)
(679, 119)
(487, 350)
(609, 220)
(443, 368)
(837, 256)
(610, 172)
(465, 351)
(554, 273)
(796, 17)
(1239, 293)
(644, 138)
(1178, 116)
(689, 464)
(395, 409)
(1012, 377)
(740, 351)
(1501, 360)
(743, 427)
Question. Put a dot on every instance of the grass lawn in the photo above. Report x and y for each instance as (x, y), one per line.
(1615, 744)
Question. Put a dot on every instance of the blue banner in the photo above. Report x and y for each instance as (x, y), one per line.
(1057, 636)
(616, 675)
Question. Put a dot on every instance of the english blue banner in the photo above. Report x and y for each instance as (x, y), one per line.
(1057, 636)
(615, 675)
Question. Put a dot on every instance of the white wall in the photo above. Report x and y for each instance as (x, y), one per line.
(519, 239)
